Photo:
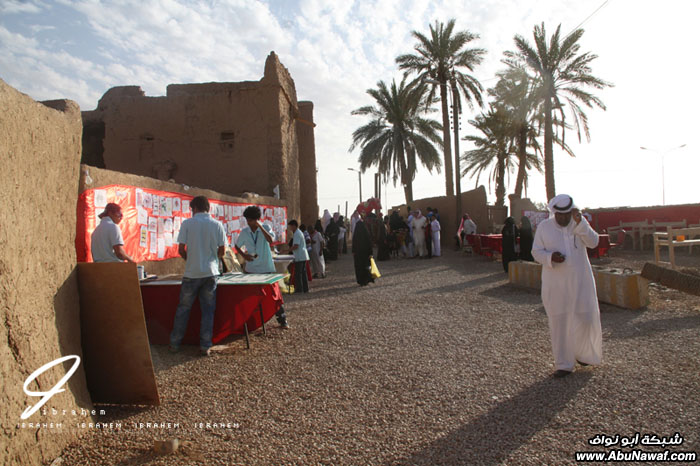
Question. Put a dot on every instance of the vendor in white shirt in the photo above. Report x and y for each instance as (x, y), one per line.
(254, 243)
(107, 244)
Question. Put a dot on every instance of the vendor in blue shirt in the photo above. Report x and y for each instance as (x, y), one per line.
(254, 243)
(301, 257)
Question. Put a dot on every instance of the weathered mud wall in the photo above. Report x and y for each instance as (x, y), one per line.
(473, 203)
(229, 137)
(40, 146)
(307, 164)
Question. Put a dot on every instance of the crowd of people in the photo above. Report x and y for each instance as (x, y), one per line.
(568, 288)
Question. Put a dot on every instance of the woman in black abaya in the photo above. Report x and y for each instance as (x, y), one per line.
(332, 232)
(361, 252)
(526, 240)
(510, 234)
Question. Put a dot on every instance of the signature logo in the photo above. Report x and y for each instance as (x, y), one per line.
(46, 396)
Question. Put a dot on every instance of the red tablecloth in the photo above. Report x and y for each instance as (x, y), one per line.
(236, 305)
(486, 244)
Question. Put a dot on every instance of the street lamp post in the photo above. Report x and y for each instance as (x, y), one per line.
(359, 180)
(663, 176)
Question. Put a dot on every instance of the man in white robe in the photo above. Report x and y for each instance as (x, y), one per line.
(318, 263)
(568, 287)
(419, 223)
(435, 232)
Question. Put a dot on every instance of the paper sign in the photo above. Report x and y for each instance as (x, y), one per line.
(156, 206)
(143, 240)
(166, 206)
(100, 198)
(161, 247)
(142, 216)
(154, 244)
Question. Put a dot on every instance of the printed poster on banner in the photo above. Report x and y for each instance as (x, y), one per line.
(153, 219)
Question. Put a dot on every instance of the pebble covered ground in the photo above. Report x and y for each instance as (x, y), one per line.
(439, 362)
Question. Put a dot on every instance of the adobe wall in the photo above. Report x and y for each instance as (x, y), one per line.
(92, 177)
(282, 144)
(520, 205)
(604, 218)
(473, 203)
(229, 137)
(40, 149)
(307, 164)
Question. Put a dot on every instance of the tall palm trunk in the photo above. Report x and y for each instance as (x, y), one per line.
(548, 149)
(405, 174)
(447, 143)
(501, 179)
(408, 192)
(522, 153)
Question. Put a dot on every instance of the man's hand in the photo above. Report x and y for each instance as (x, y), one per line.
(559, 257)
(247, 257)
(576, 215)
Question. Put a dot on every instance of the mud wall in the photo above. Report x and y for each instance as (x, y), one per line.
(307, 164)
(604, 218)
(40, 147)
(92, 177)
(473, 203)
(229, 137)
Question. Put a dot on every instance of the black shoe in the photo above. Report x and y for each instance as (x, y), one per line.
(582, 363)
(284, 325)
(561, 373)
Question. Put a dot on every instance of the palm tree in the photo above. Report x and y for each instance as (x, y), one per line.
(438, 60)
(563, 73)
(520, 97)
(397, 134)
(494, 147)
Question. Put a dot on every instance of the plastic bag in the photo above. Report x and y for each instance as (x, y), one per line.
(373, 270)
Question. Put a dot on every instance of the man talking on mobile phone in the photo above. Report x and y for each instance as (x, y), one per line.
(568, 288)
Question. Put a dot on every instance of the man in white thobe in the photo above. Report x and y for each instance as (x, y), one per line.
(419, 223)
(568, 287)
(435, 232)
(409, 239)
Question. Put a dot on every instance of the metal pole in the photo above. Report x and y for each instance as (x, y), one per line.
(663, 180)
(359, 180)
(663, 175)
(346, 209)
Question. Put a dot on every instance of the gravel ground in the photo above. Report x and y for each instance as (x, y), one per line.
(439, 362)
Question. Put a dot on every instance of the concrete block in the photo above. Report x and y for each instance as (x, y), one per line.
(618, 287)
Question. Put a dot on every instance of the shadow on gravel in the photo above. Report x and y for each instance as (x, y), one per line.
(485, 280)
(494, 436)
(506, 292)
(654, 327)
(140, 457)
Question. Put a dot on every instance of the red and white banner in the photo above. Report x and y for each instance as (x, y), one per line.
(152, 220)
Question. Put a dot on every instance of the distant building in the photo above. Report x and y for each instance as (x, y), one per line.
(232, 138)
